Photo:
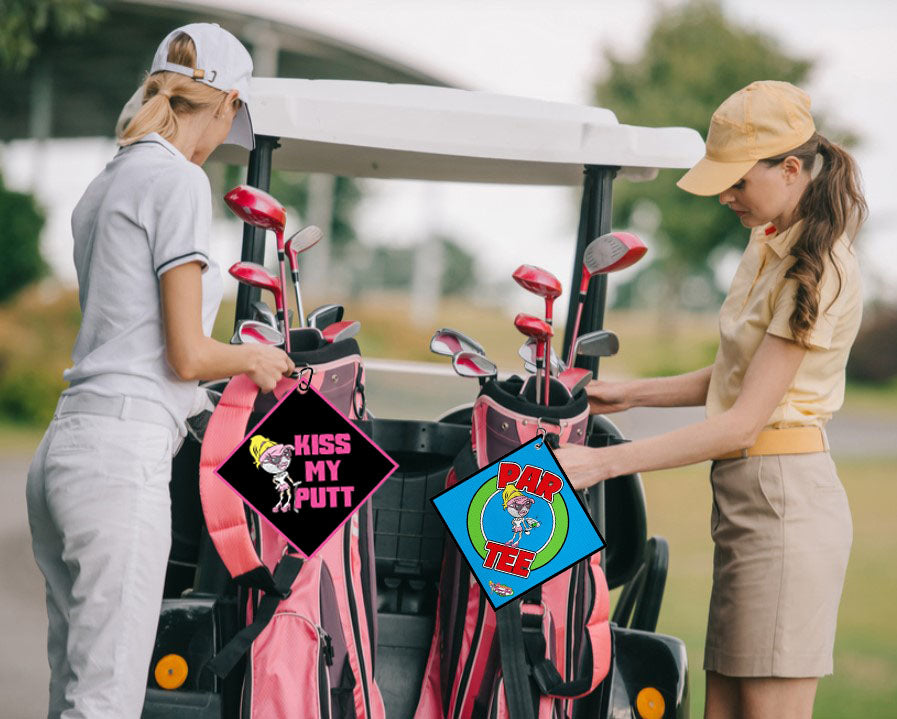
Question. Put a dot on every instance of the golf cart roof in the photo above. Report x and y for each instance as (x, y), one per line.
(372, 129)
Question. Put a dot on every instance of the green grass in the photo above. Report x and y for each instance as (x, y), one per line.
(865, 680)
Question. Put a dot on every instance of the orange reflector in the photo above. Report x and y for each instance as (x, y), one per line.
(650, 704)
(171, 671)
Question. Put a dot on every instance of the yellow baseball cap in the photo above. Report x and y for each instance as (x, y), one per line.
(762, 120)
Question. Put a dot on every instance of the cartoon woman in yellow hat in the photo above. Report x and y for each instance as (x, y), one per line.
(275, 458)
(517, 505)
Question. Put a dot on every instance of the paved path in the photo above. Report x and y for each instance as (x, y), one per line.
(23, 666)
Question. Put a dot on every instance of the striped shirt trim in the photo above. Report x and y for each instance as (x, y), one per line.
(194, 253)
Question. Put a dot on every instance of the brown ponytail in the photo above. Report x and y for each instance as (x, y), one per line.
(169, 95)
(832, 203)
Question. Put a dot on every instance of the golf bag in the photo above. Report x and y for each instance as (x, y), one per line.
(310, 624)
(550, 646)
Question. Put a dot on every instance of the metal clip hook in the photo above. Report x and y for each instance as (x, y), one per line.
(304, 375)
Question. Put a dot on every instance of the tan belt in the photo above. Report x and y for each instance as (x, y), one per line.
(788, 440)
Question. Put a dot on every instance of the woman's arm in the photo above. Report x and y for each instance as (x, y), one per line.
(684, 390)
(768, 377)
(192, 355)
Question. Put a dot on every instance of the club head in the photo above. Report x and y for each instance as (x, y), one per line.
(538, 281)
(533, 327)
(575, 379)
(324, 316)
(252, 332)
(448, 342)
(341, 330)
(254, 275)
(527, 353)
(257, 208)
(608, 253)
(261, 312)
(472, 364)
(300, 241)
(600, 343)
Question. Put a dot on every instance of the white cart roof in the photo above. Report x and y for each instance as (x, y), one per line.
(370, 129)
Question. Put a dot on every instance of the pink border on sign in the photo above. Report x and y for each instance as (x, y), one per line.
(395, 466)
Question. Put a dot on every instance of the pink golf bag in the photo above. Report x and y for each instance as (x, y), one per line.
(535, 654)
(310, 624)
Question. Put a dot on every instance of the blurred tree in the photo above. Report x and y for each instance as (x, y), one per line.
(392, 268)
(693, 59)
(23, 22)
(20, 260)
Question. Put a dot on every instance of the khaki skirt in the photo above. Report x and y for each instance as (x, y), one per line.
(782, 532)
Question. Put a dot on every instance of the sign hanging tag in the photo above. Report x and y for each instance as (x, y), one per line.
(518, 522)
(305, 468)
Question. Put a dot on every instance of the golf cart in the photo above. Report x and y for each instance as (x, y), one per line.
(375, 130)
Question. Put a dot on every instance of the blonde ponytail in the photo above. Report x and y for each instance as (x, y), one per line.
(167, 96)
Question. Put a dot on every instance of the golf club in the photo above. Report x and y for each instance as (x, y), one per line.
(325, 315)
(262, 313)
(257, 208)
(540, 331)
(600, 343)
(300, 241)
(448, 342)
(255, 275)
(527, 353)
(472, 364)
(607, 253)
(544, 284)
(341, 330)
(254, 332)
(575, 379)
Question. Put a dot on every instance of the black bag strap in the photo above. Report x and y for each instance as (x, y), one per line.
(514, 667)
(523, 654)
(285, 574)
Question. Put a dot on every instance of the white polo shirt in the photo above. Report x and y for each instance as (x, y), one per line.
(148, 211)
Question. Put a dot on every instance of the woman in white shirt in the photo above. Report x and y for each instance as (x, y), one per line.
(98, 498)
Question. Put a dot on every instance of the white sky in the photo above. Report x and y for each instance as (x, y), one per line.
(550, 50)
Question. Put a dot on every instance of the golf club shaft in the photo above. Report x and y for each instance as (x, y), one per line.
(582, 299)
(295, 272)
(549, 304)
(285, 328)
(539, 366)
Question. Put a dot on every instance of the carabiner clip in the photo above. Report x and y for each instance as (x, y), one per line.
(304, 375)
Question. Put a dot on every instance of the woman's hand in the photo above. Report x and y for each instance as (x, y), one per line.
(584, 466)
(267, 365)
(608, 397)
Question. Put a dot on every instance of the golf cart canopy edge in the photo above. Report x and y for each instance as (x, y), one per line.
(381, 130)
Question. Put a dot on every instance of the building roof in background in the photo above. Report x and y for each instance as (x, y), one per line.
(78, 84)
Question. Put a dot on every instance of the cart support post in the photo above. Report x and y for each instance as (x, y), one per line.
(594, 220)
(258, 175)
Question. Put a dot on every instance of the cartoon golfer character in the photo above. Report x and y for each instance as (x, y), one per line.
(275, 458)
(517, 505)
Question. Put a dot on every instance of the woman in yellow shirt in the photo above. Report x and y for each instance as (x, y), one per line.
(780, 522)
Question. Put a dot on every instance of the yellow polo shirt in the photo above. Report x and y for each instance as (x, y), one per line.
(761, 300)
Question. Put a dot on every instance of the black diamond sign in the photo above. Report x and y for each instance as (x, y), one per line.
(306, 468)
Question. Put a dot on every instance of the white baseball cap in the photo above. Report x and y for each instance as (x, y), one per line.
(221, 62)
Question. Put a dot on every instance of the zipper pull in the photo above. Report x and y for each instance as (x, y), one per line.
(328, 648)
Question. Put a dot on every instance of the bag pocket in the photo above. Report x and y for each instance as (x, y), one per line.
(291, 640)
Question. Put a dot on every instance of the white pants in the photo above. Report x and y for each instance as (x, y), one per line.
(99, 510)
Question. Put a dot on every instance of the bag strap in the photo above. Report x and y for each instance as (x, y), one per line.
(285, 574)
(223, 509)
(514, 667)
